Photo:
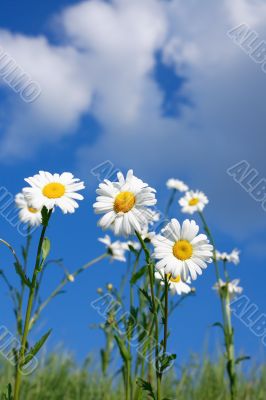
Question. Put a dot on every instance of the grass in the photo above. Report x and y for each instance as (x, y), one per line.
(59, 377)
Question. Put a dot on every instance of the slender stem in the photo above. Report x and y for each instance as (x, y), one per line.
(28, 312)
(170, 202)
(61, 286)
(230, 349)
(133, 273)
(226, 312)
(132, 330)
(208, 232)
(154, 309)
(166, 296)
(21, 295)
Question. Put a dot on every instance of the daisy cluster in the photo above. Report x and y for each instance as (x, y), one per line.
(126, 206)
(181, 253)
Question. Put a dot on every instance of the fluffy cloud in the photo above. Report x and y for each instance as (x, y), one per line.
(105, 67)
(110, 51)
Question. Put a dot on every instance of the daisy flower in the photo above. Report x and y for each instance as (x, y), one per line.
(124, 204)
(116, 249)
(181, 251)
(232, 286)
(193, 201)
(176, 184)
(27, 214)
(50, 190)
(233, 257)
(176, 285)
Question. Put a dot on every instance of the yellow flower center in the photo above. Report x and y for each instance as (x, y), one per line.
(175, 280)
(32, 210)
(124, 202)
(193, 202)
(54, 190)
(182, 250)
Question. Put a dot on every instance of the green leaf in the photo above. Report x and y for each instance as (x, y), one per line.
(18, 267)
(218, 324)
(9, 395)
(131, 248)
(243, 358)
(165, 361)
(144, 385)
(21, 273)
(147, 297)
(46, 247)
(138, 275)
(123, 349)
(35, 349)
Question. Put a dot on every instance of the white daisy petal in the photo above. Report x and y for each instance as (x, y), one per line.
(184, 253)
(128, 199)
(51, 190)
(176, 184)
(232, 287)
(193, 201)
(27, 214)
(176, 284)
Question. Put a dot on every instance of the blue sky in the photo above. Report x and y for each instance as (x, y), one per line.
(154, 86)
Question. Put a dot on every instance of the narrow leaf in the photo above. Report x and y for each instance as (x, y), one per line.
(144, 385)
(35, 349)
(243, 358)
(122, 348)
(138, 275)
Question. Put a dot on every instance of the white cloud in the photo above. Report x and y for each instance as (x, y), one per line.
(104, 66)
(110, 51)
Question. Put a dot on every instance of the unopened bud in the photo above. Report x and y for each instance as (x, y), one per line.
(71, 278)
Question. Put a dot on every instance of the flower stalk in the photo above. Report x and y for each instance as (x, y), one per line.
(226, 313)
(154, 310)
(24, 338)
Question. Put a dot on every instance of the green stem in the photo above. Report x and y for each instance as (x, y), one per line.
(226, 312)
(61, 286)
(21, 295)
(166, 297)
(208, 232)
(230, 349)
(28, 312)
(131, 332)
(170, 202)
(154, 309)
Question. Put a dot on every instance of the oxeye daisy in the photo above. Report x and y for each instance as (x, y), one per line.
(176, 184)
(116, 249)
(233, 257)
(181, 251)
(52, 190)
(193, 201)
(232, 287)
(125, 204)
(176, 285)
(27, 214)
